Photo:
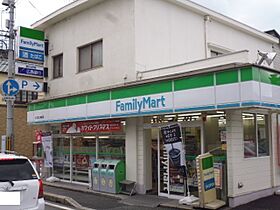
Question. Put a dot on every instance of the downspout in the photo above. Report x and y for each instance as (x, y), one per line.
(207, 19)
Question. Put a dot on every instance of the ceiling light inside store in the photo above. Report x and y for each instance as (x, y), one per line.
(172, 115)
(103, 137)
(215, 115)
(189, 114)
(89, 137)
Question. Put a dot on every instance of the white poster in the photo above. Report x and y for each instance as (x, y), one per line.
(48, 150)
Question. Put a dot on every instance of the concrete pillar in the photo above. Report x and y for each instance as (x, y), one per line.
(274, 152)
(234, 135)
(138, 154)
(131, 149)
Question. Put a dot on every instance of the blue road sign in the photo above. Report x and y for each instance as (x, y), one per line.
(10, 87)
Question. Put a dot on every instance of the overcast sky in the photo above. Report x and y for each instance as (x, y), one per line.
(260, 14)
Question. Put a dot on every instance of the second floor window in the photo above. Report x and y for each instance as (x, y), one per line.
(91, 56)
(24, 97)
(58, 66)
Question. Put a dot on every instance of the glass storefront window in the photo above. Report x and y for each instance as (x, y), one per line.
(61, 158)
(255, 129)
(262, 131)
(84, 155)
(111, 147)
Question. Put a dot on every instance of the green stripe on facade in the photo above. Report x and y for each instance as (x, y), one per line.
(194, 82)
(96, 97)
(269, 77)
(142, 90)
(227, 77)
(32, 34)
(31, 107)
(41, 105)
(76, 100)
(249, 74)
(58, 103)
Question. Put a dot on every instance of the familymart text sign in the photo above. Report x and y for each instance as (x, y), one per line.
(30, 45)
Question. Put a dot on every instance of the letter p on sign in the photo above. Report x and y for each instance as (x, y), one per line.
(24, 83)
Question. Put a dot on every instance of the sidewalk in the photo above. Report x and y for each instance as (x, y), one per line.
(80, 197)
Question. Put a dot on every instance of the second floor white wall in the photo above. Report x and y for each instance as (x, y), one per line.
(111, 21)
(143, 35)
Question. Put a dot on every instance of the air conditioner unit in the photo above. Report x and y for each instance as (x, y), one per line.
(5, 2)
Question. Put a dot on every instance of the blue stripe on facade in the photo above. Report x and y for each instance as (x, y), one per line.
(143, 113)
(220, 106)
(195, 108)
(98, 116)
(251, 103)
(30, 49)
(77, 118)
(269, 105)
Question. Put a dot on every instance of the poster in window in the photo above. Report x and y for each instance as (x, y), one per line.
(48, 149)
(172, 138)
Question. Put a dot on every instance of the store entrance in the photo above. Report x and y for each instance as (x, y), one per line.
(170, 182)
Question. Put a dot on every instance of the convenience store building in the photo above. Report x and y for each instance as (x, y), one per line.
(113, 106)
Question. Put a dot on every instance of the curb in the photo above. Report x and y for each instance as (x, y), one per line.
(119, 197)
(64, 200)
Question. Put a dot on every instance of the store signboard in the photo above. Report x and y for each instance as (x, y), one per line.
(172, 139)
(142, 104)
(30, 46)
(29, 69)
(206, 178)
(92, 126)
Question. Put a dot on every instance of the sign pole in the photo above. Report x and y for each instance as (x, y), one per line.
(11, 75)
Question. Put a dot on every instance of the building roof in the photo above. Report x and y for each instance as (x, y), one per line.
(80, 5)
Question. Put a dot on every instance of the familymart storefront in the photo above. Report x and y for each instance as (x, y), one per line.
(230, 113)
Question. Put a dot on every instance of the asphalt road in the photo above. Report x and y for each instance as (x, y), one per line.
(95, 201)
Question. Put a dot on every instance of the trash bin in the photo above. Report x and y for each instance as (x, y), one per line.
(115, 174)
(103, 175)
(96, 175)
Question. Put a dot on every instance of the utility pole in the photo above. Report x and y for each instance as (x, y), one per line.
(11, 72)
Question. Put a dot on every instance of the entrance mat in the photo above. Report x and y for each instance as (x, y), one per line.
(144, 200)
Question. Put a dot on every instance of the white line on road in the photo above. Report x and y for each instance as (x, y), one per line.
(58, 206)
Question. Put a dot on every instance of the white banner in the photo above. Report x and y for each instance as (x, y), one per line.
(48, 150)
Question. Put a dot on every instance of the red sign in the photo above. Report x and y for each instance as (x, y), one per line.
(82, 161)
(92, 126)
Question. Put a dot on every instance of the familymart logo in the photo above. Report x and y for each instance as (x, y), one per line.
(140, 104)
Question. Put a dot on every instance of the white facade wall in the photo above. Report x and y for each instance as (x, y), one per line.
(253, 173)
(167, 34)
(233, 39)
(112, 21)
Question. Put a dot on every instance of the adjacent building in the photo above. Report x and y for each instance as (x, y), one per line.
(120, 70)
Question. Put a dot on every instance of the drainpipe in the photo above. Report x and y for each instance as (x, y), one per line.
(207, 19)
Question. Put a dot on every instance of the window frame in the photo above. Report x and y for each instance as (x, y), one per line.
(60, 66)
(267, 130)
(92, 66)
(32, 95)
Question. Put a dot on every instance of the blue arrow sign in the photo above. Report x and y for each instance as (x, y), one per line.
(10, 87)
(36, 85)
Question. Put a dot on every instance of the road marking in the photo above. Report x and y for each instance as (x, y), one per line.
(57, 206)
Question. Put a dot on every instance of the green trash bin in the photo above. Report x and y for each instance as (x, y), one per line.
(115, 174)
(103, 175)
(96, 175)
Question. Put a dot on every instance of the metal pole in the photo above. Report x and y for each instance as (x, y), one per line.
(11, 70)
